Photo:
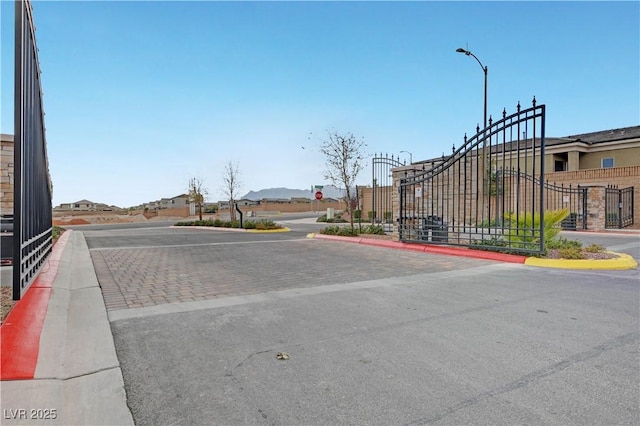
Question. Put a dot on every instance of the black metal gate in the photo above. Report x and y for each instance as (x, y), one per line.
(618, 207)
(457, 199)
(32, 228)
(382, 188)
(556, 197)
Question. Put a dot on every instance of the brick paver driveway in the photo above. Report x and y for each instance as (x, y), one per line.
(145, 267)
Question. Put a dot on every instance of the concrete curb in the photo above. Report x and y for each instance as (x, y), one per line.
(448, 251)
(623, 261)
(77, 378)
(220, 228)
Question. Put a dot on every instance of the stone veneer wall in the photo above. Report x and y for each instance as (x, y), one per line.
(6, 174)
(623, 177)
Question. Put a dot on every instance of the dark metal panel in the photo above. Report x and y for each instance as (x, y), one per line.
(32, 184)
(619, 204)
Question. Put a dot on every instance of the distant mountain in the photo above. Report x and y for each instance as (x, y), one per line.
(329, 191)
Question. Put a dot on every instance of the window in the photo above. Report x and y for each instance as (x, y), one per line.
(607, 163)
(559, 166)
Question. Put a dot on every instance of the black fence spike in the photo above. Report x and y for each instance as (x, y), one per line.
(534, 101)
(453, 148)
(504, 112)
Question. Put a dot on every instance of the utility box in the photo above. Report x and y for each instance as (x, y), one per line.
(330, 213)
(434, 229)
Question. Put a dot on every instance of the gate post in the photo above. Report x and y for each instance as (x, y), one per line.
(596, 207)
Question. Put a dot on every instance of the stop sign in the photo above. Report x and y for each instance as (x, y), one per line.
(319, 195)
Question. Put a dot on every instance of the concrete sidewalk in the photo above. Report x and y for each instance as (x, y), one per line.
(77, 379)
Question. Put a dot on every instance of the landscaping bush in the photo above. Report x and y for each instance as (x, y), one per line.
(570, 253)
(561, 242)
(372, 230)
(526, 232)
(56, 232)
(357, 214)
(344, 231)
(337, 218)
(266, 224)
(594, 248)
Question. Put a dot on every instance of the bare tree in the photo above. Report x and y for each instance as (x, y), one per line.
(344, 156)
(232, 183)
(197, 193)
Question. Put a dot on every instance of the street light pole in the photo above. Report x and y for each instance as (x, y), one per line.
(410, 156)
(486, 71)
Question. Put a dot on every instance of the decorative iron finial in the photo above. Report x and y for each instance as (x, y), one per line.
(465, 138)
(490, 120)
(518, 108)
(504, 113)
(534, 101)
(453, 148)
(478, 128)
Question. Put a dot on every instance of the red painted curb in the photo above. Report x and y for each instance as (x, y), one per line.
(20, 333)
(449, 251)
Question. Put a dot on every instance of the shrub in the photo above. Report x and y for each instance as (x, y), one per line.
(526, 232)
(266, 224)
(594, 248)
(561, 242)
(56, 232)
(570, 253)
(387, 217)
(343, 231)
(357, 214)
(249, 224)
(372, 229)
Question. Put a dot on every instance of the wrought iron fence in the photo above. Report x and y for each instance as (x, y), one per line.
(458, 200)
(618, 207)
(556, 197)
(32, 213)
(382, 188)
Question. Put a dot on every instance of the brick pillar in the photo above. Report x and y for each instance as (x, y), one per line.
(395, 202)
(596, 212)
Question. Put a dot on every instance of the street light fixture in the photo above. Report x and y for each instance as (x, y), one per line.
(410, 156)
(486, 71)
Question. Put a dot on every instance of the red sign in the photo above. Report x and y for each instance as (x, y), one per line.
(319, 195)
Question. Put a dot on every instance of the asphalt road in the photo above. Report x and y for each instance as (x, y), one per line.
(374, 336)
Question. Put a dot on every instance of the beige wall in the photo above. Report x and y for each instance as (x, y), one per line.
(6, 174)
(176, 212)
(294, 207)
(623, 177)
(622, 158)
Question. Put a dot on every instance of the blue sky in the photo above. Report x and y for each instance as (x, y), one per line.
(141, 96)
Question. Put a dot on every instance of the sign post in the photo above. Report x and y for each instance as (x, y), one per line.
(318, 195)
